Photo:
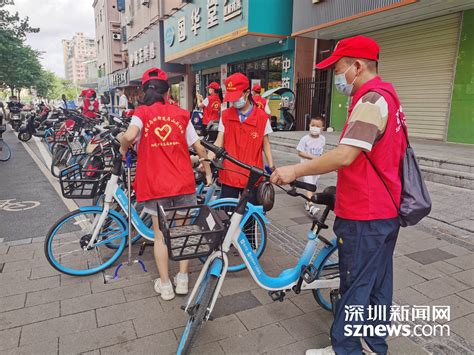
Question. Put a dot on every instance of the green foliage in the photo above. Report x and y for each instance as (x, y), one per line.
(12, 23)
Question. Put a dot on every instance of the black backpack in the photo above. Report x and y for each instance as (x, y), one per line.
(415, 201)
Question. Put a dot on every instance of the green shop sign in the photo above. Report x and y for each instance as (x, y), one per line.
(207, 23)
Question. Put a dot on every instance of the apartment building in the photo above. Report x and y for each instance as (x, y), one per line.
(75, 52)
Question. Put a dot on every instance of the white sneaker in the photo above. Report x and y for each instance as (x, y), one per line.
(166, 291)
(313, 210)
(326, 351)
(307, 205)
(181, 282)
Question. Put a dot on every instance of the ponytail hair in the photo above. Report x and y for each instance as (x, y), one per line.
(219, 93)
(155, 90)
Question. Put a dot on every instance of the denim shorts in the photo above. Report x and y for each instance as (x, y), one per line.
(150, 206)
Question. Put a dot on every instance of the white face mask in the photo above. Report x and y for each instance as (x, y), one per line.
(341, 83)
(315, 131)
(240, 102)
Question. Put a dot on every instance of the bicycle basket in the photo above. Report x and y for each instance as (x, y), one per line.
(76, 146)
(190, 231)
(75, 182)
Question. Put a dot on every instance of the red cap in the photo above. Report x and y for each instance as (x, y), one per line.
(257, 88)
(83, 93)
(214, 86)
(153, 74)
(354, 47)
(235, 86)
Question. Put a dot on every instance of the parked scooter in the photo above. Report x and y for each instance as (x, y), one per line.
(27, 130)
(286, 107)
(15, 119)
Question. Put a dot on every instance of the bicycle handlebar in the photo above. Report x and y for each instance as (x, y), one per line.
(222, 153)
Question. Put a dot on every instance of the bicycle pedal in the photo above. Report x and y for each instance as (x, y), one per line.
(277, 295)
(309, 274)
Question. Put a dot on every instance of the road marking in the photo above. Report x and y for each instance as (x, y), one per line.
(70, 204)
(11, 206)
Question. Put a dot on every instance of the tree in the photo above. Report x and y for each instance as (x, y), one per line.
(19, 27)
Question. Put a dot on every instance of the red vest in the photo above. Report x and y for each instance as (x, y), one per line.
(259, 101)
(212, 110)
(360, 194)
(164, 165)
(85, 109)
(243, 141)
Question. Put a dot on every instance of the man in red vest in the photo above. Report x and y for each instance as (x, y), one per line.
(367, 212)
(211, 105)
(259, 100)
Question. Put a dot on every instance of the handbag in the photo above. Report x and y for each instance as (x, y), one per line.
(415, 201)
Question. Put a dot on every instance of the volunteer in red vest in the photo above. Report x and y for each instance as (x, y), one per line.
(164, 173)
(91, 104)
(367, 222)
(243, 132)
(259, 100)
(211, 105)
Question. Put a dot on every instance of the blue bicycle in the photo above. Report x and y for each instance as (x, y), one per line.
(317, 269)
(91, 238)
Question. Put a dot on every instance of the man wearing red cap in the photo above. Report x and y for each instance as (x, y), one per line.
(211, 105)
(368, 162)
(91, 104)
(259, 100)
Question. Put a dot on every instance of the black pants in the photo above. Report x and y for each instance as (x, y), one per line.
(235, 192)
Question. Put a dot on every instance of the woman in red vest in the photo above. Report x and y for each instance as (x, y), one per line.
(211, 105)
(259, 100)
(91, 104)
(164, 173)
(243, 132)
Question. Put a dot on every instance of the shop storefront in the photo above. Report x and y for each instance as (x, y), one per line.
(145, 52)
(222, 37)
(419, 56)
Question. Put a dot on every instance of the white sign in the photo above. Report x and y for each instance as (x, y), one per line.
(285, 80)
(212, 19)
(232, 8)
(182, 29)
(196, 20)
(286, 64)
(143, 55)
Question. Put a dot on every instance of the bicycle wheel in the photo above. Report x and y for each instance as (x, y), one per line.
(329, 269)
(59, 158)
(66, 248)
(5, 151)
(197, 314)
(255, 230)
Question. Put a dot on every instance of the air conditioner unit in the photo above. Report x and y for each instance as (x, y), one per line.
(116, 36)
(145, 2)
(129, 20)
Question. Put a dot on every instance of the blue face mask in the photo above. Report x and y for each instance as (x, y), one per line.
(341, 83)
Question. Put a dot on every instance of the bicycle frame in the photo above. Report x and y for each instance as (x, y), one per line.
(217, 263)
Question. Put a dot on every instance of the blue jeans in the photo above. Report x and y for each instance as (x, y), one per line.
(366, 267)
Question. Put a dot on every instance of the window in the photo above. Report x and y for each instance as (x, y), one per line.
(268, 70)
(102, 42)
(100, 15)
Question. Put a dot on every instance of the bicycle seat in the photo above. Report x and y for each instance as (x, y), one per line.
(327, 197)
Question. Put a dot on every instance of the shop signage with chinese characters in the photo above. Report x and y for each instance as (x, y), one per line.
(143, 54)
(120, 78)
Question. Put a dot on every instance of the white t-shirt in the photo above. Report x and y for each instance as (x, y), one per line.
(205, 102)
(191, 135)
(123, 101)
(311, 145)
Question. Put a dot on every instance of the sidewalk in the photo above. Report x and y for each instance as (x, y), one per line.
(45, 312)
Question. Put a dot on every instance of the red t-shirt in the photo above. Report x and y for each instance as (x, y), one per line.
(243, 141)
(164, 166)
(374, 124)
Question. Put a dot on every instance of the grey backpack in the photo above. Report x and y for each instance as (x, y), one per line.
(415, 201)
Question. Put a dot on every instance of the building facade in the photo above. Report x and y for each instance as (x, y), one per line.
(220, 37)
(108, 41)
(75, 52)
(426, 52)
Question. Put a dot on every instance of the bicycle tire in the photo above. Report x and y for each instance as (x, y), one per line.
(263, 235)
(5, 151)
(321, 298)
(59, 158)
(57, 238)
(196, 319)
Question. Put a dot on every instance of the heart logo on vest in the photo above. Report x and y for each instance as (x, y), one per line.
(163, 132)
